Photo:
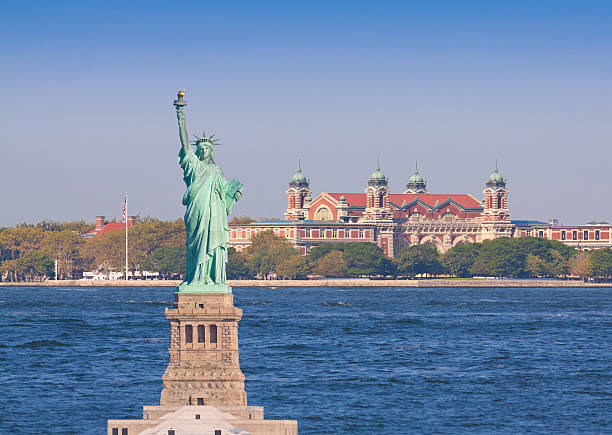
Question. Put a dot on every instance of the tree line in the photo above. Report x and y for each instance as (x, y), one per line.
(29, 252)
(273, 256)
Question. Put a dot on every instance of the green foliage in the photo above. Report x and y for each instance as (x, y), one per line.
(168, 261)
(293, 267)
(601, 263)
(64, 246)
(365, 258)
(241, 220)
(522, 258)
(580, 264)
(324, 249)
(331, 265)
(360, 258)
(144, 238)
(458, 260)
(29, 267)
(105, 252)
(267, 252)
(418, 260)
(236, 265)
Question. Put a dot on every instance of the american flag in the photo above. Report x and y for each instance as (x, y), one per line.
(124, 210)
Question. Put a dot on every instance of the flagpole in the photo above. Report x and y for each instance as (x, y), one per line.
(126, 236)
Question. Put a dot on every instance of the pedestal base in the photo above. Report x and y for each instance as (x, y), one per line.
(203, 368)
(205, 289)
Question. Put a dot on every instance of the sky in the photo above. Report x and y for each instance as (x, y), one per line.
(87, 91)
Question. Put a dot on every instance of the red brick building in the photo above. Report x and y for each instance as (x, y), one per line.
(391, 220)
(395, 220)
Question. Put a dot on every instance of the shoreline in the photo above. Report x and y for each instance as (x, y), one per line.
(343, 283)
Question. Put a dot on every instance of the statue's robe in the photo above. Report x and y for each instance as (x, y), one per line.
(205, 221)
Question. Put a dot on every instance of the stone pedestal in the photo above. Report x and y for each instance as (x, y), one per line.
(203, 368)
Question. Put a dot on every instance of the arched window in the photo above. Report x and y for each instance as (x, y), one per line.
(188, 334)
(213, 333)
(323, 214)
(200, 333)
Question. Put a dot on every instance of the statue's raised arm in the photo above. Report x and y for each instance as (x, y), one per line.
(179, 103)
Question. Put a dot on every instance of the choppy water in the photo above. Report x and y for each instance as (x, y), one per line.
(337, 360)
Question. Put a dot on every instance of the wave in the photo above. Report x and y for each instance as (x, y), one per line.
(40, 344)
(336, 304)
(244, 304)
(163, 303)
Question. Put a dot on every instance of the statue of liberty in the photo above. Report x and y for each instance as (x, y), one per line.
(209, 199)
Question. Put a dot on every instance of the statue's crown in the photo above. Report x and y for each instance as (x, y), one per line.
(207, 141)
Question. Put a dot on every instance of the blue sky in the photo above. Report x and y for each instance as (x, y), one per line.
(87, 90)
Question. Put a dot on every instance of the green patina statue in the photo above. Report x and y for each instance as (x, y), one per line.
(209, 199)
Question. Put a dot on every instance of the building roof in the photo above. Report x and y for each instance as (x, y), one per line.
(109, 227)
(401, 199)
(528, 223)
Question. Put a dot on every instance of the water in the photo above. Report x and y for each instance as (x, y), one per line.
(338, 360)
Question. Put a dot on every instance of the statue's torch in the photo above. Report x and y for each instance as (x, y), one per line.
(179, 102)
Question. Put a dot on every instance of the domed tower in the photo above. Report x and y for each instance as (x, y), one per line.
(297, 195)
(377, 197)
(495, 215)
(416, 184)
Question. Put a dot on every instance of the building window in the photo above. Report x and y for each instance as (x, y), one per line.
(541, 233)
(361, 234)
(115, 431)
(188, 334)
(574, 235)
(322, 234)
(335, 233)
(596, 234)
(124, 431)
(239, 234)
(248, 233)
(213, 333)
(197, 416)
(171, 432)
(200, 333)
(586, 235)
(323, 214)
(200, 401)
(562, 235)
(307, 233)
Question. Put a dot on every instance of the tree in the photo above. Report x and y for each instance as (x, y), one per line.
(580, 264)
(145, 238)
(365, 258)
(236, 265)
(241, 220)
(33, 265)
(536, 266)
(331, 265)
(266, 252)
(323, 249)
(458, 260)
(17, 241)
(292, 267)
(168, 261)
(521, 257)
(64, 246)
(601, 263)
(105, 252)
(418, 260)
(36, 265)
